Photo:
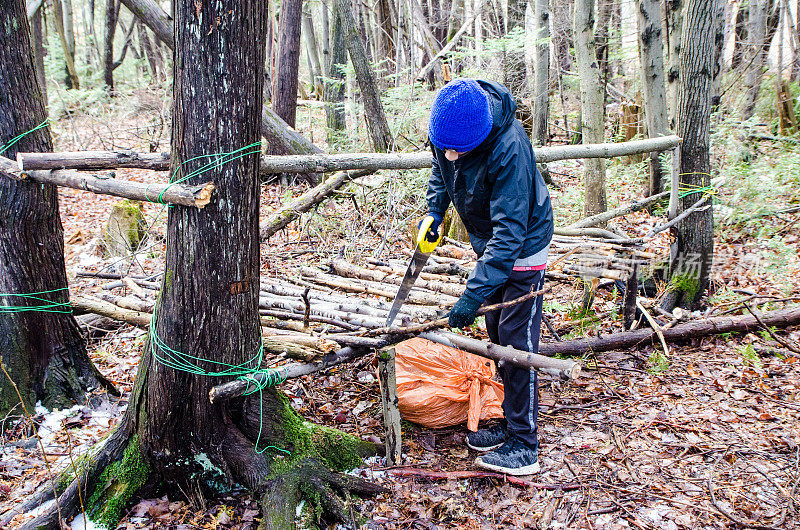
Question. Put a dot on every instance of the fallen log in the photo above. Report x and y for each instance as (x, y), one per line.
(699, 328)
(317, 163)
(91, 305)
(603, 217)
(176, 194)
(347, 269)
(278, 219)
(368, 287)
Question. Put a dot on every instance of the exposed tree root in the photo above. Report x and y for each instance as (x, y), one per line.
(71, 493)
(310, 480)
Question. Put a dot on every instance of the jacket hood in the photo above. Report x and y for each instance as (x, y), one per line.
(504, 109)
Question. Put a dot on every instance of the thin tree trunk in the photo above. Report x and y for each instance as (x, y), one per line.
(592, 105)
(334, 82)
(313, 52)
(675, 15)
(69, 26)
(152, 53)
(719, 50)
(37, 41)
(651, 57)
(112, 16)
(373, 108)
(754, 59)
(692, 253)
(541, 102)
(740, 35)
(42, 351)
(284, 82)
(72, 80)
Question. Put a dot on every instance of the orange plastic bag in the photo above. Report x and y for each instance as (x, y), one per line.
(438, 386)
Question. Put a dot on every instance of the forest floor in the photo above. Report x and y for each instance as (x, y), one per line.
(707, 436)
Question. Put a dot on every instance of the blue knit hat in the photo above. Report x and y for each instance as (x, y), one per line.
(461, 117)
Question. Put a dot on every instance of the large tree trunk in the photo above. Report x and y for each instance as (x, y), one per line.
(651, 57)
(373, 108)
(284, 82)
(42, 351)
(692, 253)
(334, 77)
(541, 101)
(72, 80)
(754, 59)
(208, 307)
(592, 105)
(112, 16)
(674, 31)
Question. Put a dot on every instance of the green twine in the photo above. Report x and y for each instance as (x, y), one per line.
(19, 137)
(219, 160)
(48, 307)
(245, 371)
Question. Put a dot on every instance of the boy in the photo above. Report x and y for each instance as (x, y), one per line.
(483, 162)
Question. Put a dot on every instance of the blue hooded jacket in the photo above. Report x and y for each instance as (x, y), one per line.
(499, 194)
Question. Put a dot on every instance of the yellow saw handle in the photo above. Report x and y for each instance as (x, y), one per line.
(423, 244)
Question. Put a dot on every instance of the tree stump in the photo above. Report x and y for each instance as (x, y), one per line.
(125, 228)
(389, 400)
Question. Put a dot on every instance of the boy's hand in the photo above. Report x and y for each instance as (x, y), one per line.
(433, 232)
(464, 312)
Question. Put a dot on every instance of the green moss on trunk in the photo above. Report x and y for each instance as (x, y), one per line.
(336, 449)
(117, 485)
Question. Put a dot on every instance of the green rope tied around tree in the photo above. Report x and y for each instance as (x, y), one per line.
(246, 371)
(689, 189)
(219, 159)
(19, 137)
(49, 306)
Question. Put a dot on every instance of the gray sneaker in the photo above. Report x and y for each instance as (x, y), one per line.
(514, 457)
(487, 439)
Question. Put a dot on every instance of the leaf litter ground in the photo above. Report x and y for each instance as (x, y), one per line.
(708, 438)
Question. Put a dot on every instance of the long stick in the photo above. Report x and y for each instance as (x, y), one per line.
(334, 162)
(196, 196)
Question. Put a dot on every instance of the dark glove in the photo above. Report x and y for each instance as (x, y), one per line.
(433, 233)
(464, 312)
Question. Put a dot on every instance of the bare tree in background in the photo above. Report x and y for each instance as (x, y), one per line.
(674, 26)
(592, 104)
(285, 80)
(72, 80)
(755, 56)
(651, 57)
(541, 100)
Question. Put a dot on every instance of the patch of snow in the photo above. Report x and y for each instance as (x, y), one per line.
(81, 522)
(299, 509)
(52, 421)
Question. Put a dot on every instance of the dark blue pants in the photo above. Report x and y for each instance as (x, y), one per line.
(518, 326)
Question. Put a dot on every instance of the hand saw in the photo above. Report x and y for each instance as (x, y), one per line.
(424, 248)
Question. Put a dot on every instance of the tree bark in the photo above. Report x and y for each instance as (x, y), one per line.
(592, 104)
(112, 17)
(675, 15)
(755, 56)
(43, 351)
(692, 252)
(284, 82)
(373, 108)
(541, 101)
(651, 57)
(719, 50)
